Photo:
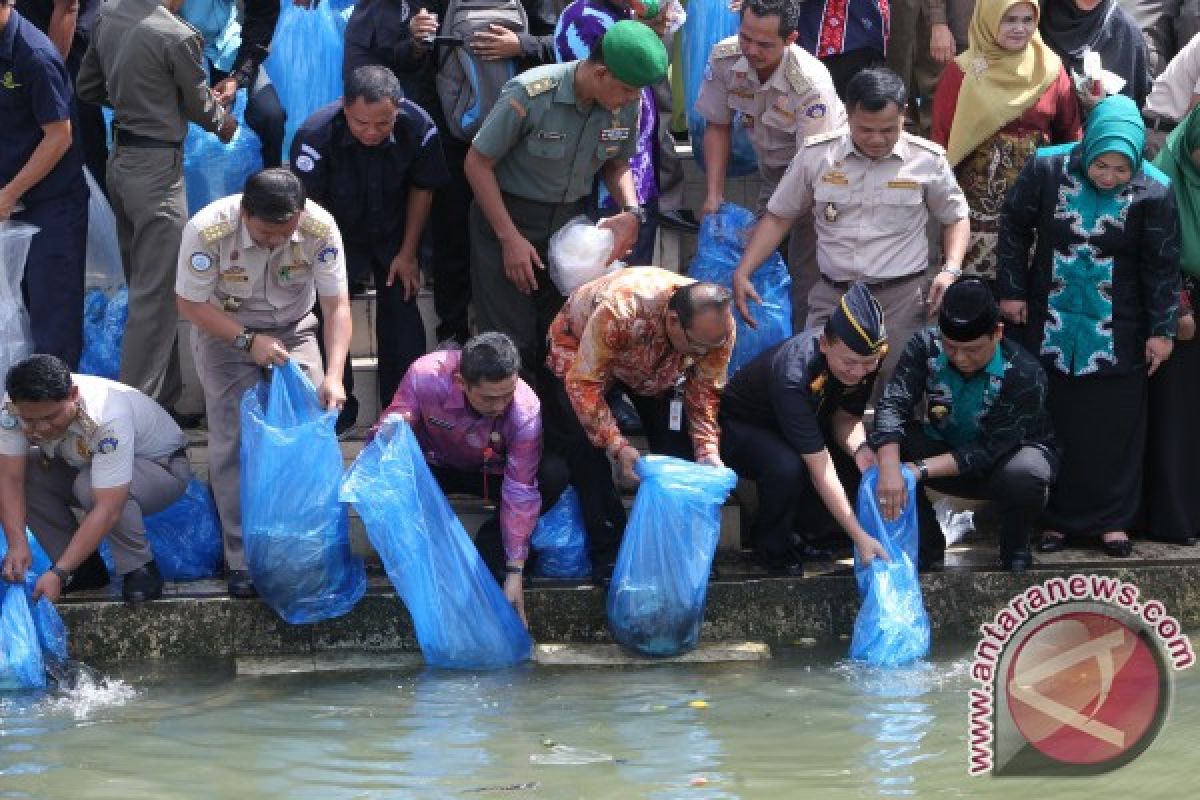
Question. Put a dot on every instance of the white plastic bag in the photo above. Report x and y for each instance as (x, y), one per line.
(16, 339)
(954, 524)
(104, 270)
(579, 253)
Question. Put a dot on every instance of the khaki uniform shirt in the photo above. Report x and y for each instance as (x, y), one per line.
(220, 264)
(548, 146)
(1171, 97)
(147, 64)
(796, 102)
(870, 216)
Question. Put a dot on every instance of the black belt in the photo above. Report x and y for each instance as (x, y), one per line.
(1161, 124)
(886, 283)
(127, 139)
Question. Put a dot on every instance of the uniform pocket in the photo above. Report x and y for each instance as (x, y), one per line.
(901, 208)
(546, 148)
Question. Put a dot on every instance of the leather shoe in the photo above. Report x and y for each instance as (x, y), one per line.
(683, 220)
(240, 584)
(1052, 543)
(1117, 548)
(1017, 561)
(142, 584)
(781, 567)
(91, 574)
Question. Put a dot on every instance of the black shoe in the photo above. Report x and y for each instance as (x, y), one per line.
(681, 220)
(187, 421)
(240, 584)
(602, 575)
(810, 552)
(1117, 548)
(786, 566)
(142, 584)
(1017, 561)
(1052, 543)
(930, 563)
(92, 574)
(347, 417)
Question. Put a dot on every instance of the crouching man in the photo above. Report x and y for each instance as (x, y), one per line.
(79, 442)
(480, 428)
(986, 433)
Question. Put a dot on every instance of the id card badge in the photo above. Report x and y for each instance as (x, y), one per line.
(675, 414)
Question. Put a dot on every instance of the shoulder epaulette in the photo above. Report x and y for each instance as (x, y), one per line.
(540, 86)
(726, 48)
(925, 144)
(314, 227)
(796, 77)
(827, 136)
(215, 232)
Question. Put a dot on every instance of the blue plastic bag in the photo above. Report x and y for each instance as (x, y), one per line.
(723, 239)
(892, 628)
(656, 599)
(305, 62)
(560, 540)
(296, 533)
(49, 628)
(708, 22)
(41, 562)
(186, 536)
(212, 169)
(21, 665)
(462, 619)
(104, 317)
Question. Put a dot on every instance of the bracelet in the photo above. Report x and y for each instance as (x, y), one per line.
(953, 270)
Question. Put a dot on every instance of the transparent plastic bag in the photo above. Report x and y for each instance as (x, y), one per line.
(708, 22)
(104, 267)
(295, 531)
(212, 169)
(462, 619)
(21, 665)
(954, 524)
(578, 253)
(104, 318)
(16, 338)
(723, 239)
(560, 540)
(305, 62)
(656, 599)
(892, 628)
(186, 536)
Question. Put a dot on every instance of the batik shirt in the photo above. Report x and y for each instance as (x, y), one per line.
(981, 418)
(832, 27)
(453, 435)
(1105, 271)
(614, 329)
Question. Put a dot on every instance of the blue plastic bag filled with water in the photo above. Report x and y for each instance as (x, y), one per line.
(104, 317)
(51, 633)
(40, 563)
(461, 617)
(708, 22)
(186, 536)
(659, 585)
(560, 540)
(723, 239)
(892, 628)
(212, 169)
(21, 664)
(296, 533)
(305, 62)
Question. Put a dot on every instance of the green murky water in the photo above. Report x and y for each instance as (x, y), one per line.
(804, 725)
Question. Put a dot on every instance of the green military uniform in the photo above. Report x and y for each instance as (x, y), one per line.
(548, 148)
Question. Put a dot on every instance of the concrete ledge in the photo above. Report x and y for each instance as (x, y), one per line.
(822, 608)
(612, 655)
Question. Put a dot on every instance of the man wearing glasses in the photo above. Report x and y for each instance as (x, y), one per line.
(664, 340)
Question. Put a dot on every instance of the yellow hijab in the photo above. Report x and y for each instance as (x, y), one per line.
(998, 85)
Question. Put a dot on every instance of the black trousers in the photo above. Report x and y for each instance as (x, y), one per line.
(590, 470)
(1017, 486)
(451, 245)
(552, 481)
(264, 115)
(844, 66)
(788, 502)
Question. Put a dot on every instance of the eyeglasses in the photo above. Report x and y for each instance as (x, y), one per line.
(700, 348)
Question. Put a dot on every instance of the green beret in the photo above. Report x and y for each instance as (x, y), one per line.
(634, 54)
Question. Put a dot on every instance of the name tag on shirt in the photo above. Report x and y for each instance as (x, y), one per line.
(836, 178)
(675, 415)
(614, 134)
(903, 184)
(551, 136)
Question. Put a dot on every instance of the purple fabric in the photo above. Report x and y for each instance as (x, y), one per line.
(580, 26)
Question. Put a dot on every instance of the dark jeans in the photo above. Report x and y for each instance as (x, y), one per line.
(787, 500)
(552, 481)
(1017, 486)
(54, 273)
(451, 245)
(591, 472)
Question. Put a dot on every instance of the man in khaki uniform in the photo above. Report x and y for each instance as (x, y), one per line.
(146, 63)
(871, 189)
(783, 95)
(250, 268)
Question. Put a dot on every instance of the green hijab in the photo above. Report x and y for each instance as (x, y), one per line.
(1175, 159)
(1114, 126)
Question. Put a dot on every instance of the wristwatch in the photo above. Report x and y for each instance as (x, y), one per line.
(922, 468)
(637, 211)
(63, 575)
(953, 270)
(243, 341)
(513, 569)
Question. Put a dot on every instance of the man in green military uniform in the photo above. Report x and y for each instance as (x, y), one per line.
(532, 166)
